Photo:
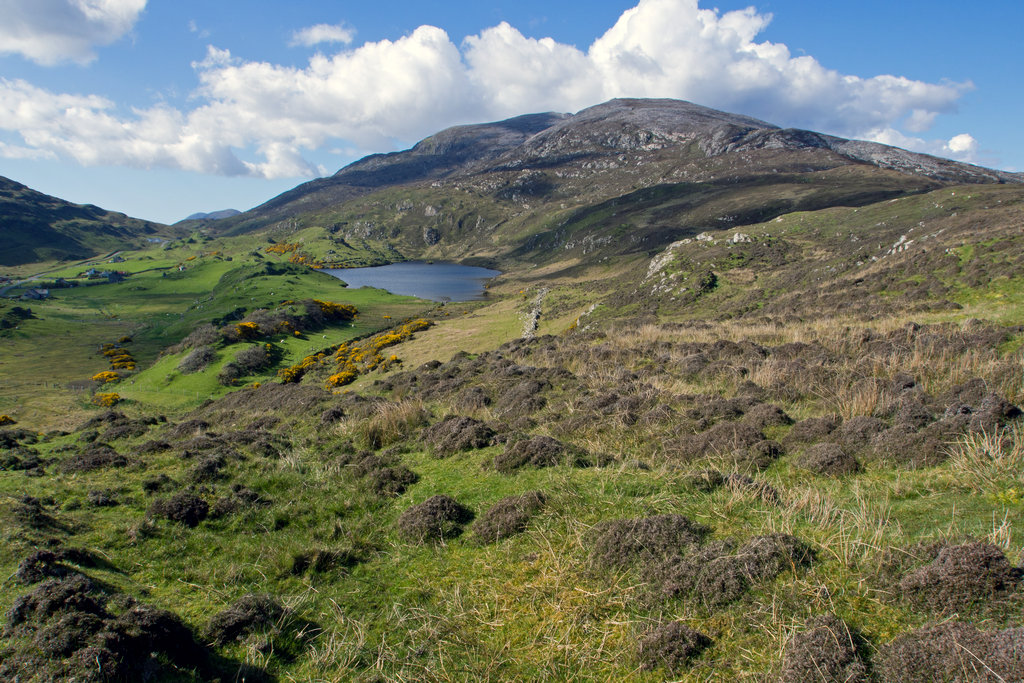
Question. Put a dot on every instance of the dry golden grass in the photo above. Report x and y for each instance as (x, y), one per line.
(842, 389)
(987, 459)
(390, 423)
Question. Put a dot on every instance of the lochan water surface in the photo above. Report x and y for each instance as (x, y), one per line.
(434, 281)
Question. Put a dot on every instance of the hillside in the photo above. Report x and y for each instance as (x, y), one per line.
(448, 153)
(36, 227)
(512, 190)
(744, 405)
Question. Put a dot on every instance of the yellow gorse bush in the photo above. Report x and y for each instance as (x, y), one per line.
(342, 378)
(119, 357)
(282, 248)
(336, 311)
(248, 330)
(107, 400)
(351, 360)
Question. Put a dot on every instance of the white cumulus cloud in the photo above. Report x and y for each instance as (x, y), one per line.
(323, 33)
(672, 48)
(962, 144)
(53, 31)
(262, 119)
(962, 147)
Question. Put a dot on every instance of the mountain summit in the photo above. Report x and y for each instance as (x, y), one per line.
(652, 131)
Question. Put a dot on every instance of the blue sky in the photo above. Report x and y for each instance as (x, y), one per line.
(159, 109)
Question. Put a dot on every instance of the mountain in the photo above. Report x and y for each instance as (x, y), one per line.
(212, 216)
(510, 177)
(37, 227)
(450, 152)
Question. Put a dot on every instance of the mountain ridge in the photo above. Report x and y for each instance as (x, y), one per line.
(546, 141)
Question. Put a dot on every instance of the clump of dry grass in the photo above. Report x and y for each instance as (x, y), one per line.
(391, 423)
(988, 457)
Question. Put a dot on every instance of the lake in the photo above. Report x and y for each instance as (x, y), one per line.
(434, 281)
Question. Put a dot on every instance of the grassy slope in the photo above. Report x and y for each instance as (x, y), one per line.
(38, 227)
(57, 350)
(530, 607)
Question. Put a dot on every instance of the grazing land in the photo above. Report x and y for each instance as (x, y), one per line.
(743, 405)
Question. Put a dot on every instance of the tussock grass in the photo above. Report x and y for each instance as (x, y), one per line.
(391, 423)
(990, 459)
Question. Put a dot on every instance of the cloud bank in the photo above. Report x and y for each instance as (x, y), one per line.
(53, 31)
(259, 119)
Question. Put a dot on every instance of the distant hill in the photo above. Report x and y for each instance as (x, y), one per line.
(212, 216)
(37, 227)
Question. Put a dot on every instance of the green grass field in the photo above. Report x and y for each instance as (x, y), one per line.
(49, 358)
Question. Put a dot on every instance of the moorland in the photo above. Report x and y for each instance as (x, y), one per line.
(744, 404)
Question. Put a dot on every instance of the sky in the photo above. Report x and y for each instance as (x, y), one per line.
(160, 109)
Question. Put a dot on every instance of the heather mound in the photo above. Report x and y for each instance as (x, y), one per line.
(961, 577)
(825, 652)
(538, 451)
(436, 519)
(718, 573)
(952, 651)
(671, 646)
(455, 433)
(185, 508)
(508, 517)
(71, 628)
(829, 459)
(623, 542)
(250, 613)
